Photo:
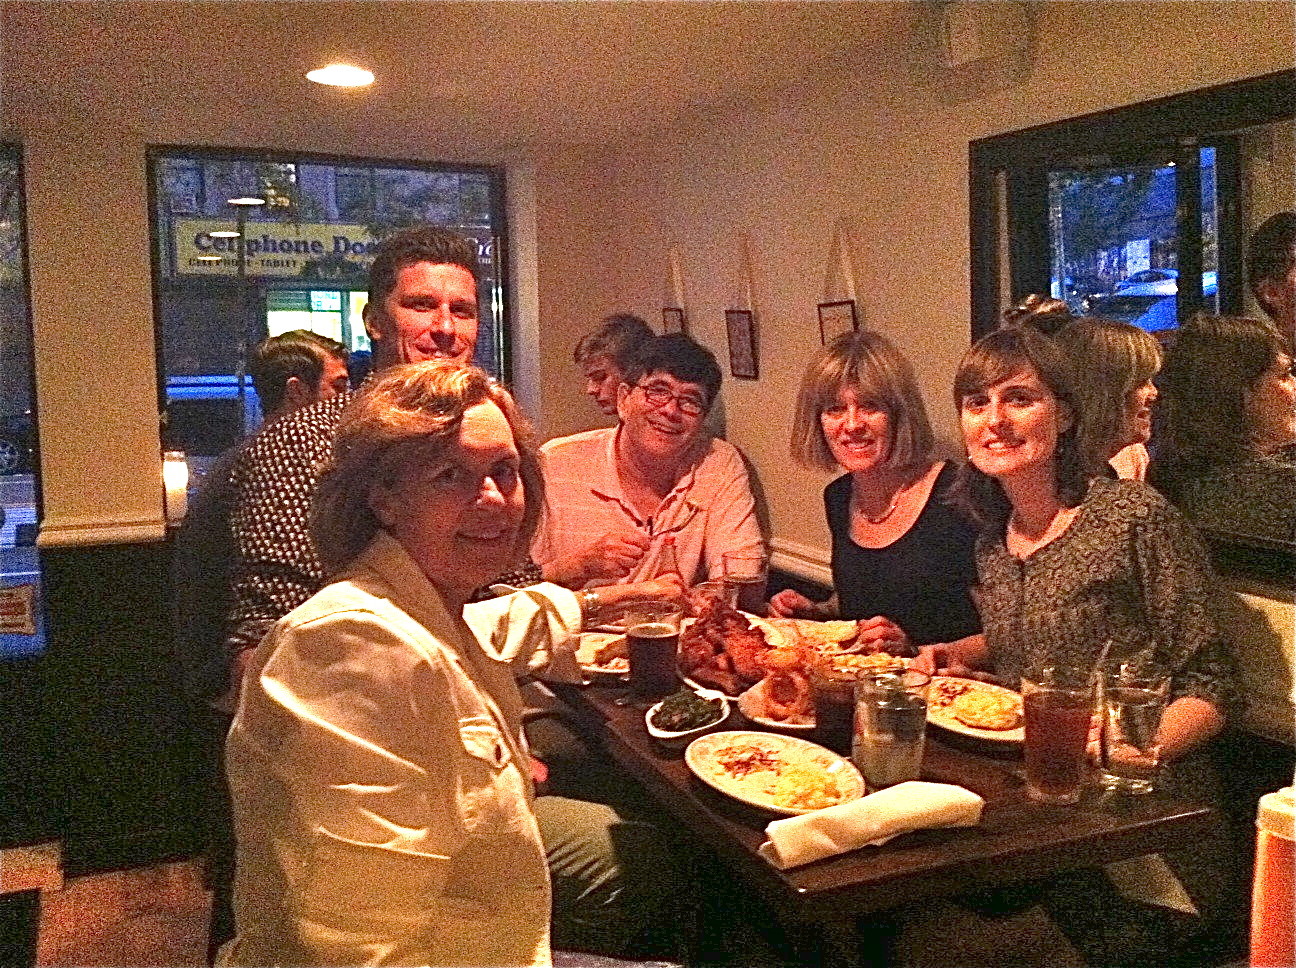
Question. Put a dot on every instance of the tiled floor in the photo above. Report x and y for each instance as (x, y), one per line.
(151, 916)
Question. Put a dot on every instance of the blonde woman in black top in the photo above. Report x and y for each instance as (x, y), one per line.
(902, 557)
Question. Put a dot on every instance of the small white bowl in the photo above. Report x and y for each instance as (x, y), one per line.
(684, 736)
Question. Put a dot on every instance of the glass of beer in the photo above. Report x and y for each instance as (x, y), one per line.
(745, 573)
(833, 690)
(1059, 707)
(652, 634)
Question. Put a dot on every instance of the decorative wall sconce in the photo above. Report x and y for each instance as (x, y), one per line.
(175, 484)
(674, 307)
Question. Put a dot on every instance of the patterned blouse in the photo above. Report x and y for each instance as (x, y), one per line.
(1129, 569)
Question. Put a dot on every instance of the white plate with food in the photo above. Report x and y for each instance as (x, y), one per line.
(603, 654)
(835, 635)
(755, 705)
(782, 774)
(973, 708)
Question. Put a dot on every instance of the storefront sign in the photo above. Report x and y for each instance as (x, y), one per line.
(316, 250)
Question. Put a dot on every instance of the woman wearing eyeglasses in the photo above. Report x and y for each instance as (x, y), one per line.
(613, 496)
(902, 559)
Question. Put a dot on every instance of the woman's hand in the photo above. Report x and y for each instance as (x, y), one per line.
(792, 604)
(963, 657)
(880, 634)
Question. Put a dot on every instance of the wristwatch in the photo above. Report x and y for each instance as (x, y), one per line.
(589, 603)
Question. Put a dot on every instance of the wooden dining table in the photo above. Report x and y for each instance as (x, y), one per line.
(1017, 840)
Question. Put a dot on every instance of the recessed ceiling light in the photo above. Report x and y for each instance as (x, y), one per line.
(250, 201)
(223, 234)
(341, 75)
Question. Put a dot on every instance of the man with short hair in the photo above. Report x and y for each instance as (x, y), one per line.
(422, 306)
(1271, 270)
(296, 369)
(603, 354)
(289, 371)
(293, 370)
(613, 496)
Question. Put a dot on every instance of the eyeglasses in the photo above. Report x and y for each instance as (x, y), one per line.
(659, 394)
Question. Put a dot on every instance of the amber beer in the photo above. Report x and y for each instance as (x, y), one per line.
(654, 647)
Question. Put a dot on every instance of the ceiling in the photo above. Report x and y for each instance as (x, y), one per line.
(486, 76)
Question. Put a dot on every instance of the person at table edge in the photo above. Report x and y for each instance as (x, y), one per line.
(613, 495)
(901, 557)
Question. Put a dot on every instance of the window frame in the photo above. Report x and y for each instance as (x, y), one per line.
(1181, 124)
(13, 150)
(497, 201)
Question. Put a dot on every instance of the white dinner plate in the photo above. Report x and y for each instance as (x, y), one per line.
(752, 705)
(938, 713)
(587, 649)
(711, 759)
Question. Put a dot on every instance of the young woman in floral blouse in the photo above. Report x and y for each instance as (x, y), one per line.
(1069, 560)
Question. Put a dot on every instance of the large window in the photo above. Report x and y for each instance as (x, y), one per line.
(21, 619)
(1141, 213)
(228, 275)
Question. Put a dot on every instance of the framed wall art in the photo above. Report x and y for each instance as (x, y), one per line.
(741, 326)
(836, 318)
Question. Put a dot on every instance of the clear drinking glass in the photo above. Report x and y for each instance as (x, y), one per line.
(890, 726)
(1059, 705)
(745, 572)
(1133, 700)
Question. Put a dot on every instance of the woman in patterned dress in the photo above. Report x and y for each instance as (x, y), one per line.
(1068, 559)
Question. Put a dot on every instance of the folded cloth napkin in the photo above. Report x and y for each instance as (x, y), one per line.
(874, 819)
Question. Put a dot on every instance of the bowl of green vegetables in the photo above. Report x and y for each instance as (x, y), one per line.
(686, 714)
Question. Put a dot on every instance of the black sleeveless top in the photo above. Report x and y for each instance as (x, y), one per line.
(921, 581)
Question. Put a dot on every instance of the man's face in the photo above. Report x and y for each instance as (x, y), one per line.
(1279, 300)
(430, 314)
(602, 377)
(334, 380)
(654, 418)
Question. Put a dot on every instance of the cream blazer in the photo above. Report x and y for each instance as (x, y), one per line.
(380, 778)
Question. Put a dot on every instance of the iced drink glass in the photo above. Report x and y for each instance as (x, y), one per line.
(1059, 705)
(1132, 703)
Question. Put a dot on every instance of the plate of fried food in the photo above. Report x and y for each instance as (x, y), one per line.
(973, 708)
(722, 648)
(782, 774)
(835, 635)
(783, 699)
(603, 654)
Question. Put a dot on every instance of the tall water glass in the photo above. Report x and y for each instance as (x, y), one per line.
(1133, 701)
(1058, 705)
(890, 726)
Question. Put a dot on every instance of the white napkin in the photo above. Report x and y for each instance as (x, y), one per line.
(874, 819)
